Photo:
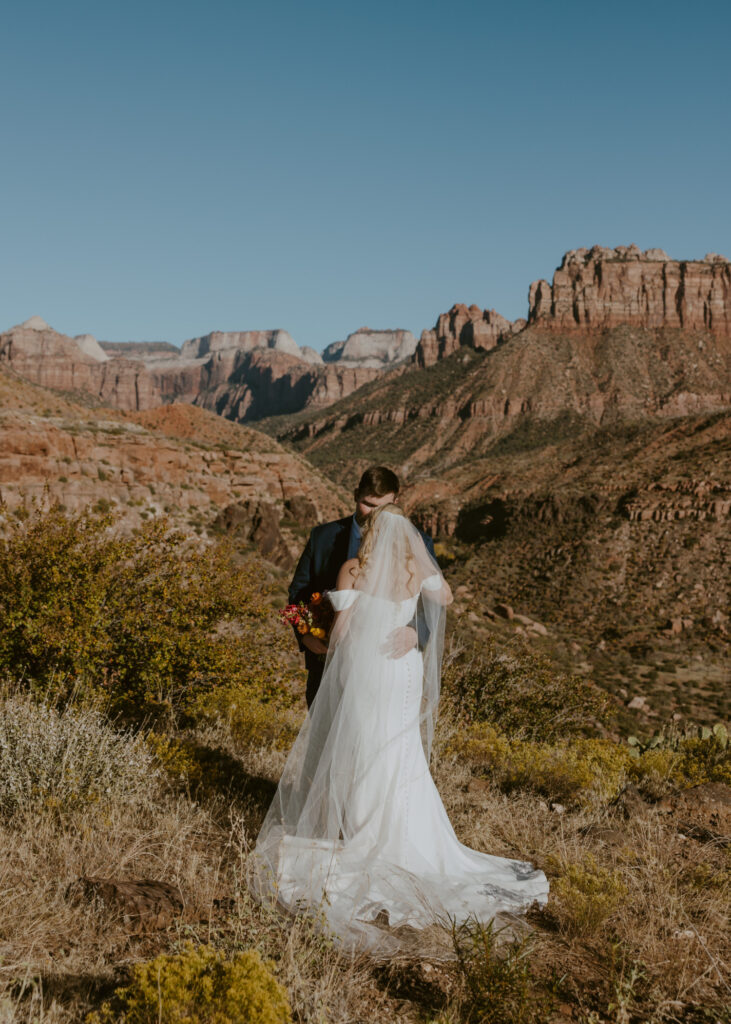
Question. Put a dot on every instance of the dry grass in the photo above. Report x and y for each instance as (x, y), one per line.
(635, 929)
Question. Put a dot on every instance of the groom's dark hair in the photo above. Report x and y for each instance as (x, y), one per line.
(377, 481)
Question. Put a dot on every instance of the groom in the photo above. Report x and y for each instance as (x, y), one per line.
(330, 545)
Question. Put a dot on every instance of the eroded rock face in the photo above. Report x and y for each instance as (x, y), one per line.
(175, 460)
(246, 386)
(600, 288)
(89, 345)
(243, 375)
(244, 341)
(42, 355)
(366, 347)
(464, 325)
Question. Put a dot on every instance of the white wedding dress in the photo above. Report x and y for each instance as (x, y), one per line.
(357, 827)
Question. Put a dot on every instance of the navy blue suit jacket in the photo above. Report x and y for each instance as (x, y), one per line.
(321, 561)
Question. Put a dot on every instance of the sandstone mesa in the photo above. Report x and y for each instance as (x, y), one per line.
(250, 375)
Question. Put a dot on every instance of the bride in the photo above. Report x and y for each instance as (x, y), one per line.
(357, 830)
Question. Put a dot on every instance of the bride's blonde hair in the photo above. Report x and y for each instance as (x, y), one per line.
(369, 532)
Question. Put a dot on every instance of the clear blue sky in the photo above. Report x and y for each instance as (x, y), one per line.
(171, 168)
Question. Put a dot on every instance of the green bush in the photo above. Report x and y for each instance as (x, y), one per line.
(521, 692)
(198, 986)
(254, 718)
(583, 771)
(585, 895)
(498, 985)
(67, 760)
(137, 619)
(685, 754)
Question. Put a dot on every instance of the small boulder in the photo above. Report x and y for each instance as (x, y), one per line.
(145, 904)
(538, 627)
(637, 704)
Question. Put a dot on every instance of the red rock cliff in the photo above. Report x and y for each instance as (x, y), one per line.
(463, 325)
(599, 288)
(53, 360)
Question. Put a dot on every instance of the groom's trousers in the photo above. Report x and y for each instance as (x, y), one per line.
(315, 666)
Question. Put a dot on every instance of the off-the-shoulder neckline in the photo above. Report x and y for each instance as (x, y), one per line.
(357, 590)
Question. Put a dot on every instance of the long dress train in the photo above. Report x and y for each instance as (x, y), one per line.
(357, 826)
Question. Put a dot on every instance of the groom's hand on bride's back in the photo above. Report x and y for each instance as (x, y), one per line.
(399, 642)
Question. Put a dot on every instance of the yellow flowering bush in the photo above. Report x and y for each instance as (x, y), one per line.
(198, 986)
(579, 771)
(702, 759)
(254, 718)
(685, 755)
(585, 895)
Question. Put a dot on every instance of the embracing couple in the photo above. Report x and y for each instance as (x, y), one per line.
(357, 833)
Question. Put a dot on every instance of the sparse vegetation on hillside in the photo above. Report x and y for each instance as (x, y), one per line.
(638, 864)
(521, 692)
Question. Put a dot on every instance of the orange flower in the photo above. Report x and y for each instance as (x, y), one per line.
(301, 627)
(316, 597)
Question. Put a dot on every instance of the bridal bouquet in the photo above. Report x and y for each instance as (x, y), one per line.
(314, 618)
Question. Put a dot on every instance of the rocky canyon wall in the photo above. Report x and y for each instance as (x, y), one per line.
(464, 326)
(600, 288)
(39, 354)
(243, 375)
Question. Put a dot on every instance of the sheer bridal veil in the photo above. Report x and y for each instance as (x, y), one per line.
(331, 839)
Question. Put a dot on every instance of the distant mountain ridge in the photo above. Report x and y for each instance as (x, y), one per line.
(243, 375)
(367, 347)
(255, 374)
(177, 461)
(138, 348)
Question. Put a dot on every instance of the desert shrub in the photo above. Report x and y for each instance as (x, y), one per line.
(705, 876)
(137, 619)
(703, 759)
(498, 983)
(67, 760)
(653, 772)
(521, 692)
(687, 755)
(581, 771)
(198, 986)
(253, 718)
(585, 895)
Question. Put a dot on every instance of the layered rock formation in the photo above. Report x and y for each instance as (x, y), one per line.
(243, 375)
(540, 382)
(242, 341)
(250, 385)
(374, 349)
(175, 460)
(464, 326)
(249, 375)
(141, 349)
(40, 354)
(600, 288)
